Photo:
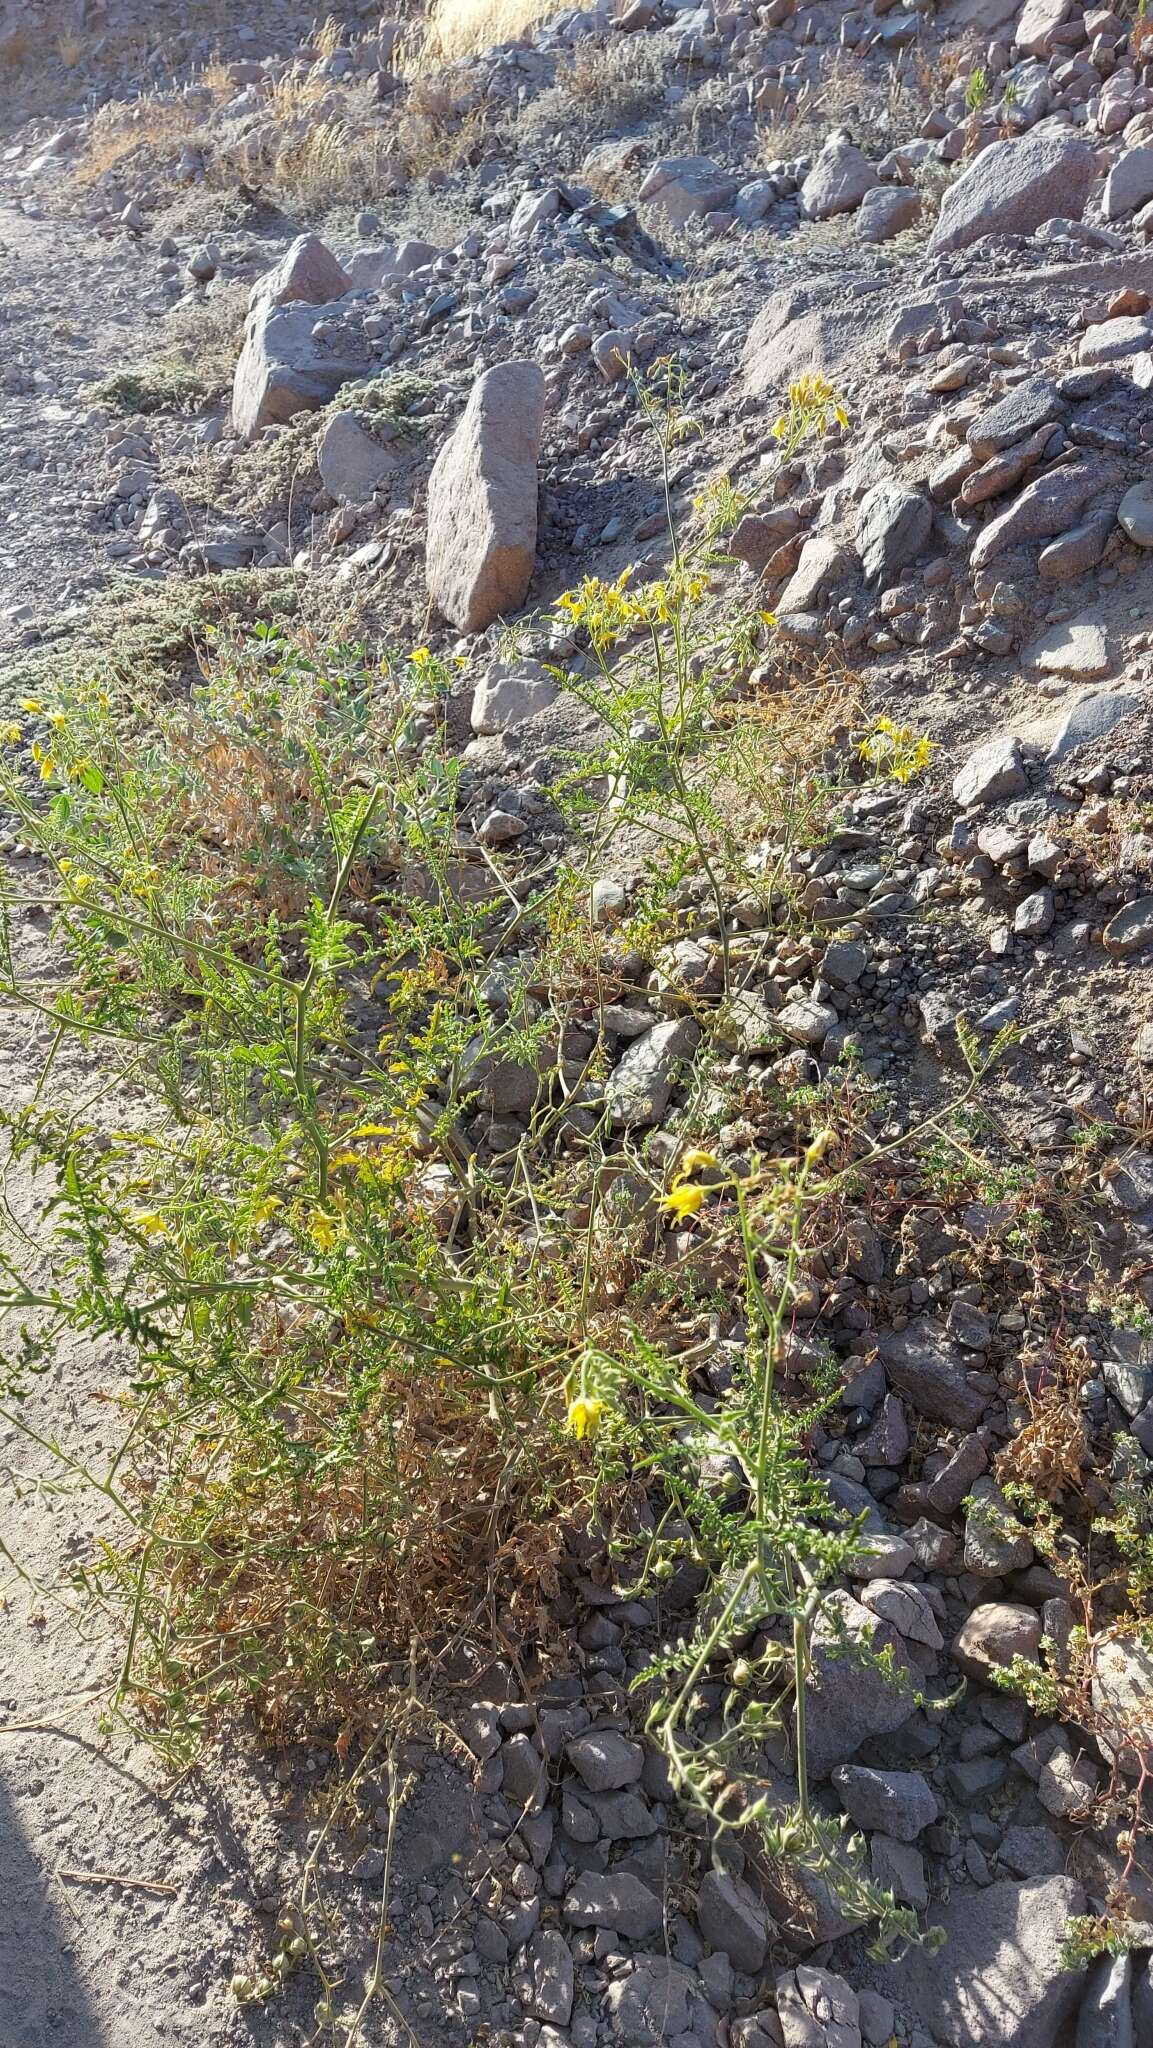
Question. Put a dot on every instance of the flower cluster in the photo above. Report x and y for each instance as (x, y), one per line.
(609, 612)
(812, 407)
(686, 1196)
(896, 751)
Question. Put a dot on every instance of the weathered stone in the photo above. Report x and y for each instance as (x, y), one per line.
(1039, 19)
(998, 1981)
(284, 370)
(1077, 647)
(807, 1021)
(546, 1988)
(1110, 341)
(307, 271)
(1034, 403)
(815, 2009)
(906, 1607)
(1105, 2019)
(849, 1701)
(606, 1760)
(893, 525)
(1135, 515)
(1129, 184)
(838, 181)
(1048, 505)
(756, 538)
(994, 769)
(1091, 718)
(899, 1802)
(351, 461)
(651, 2005)
(1079, 549)
(617, 1900)
(824, 565)
(507, 696)
(886, 211)
(733, 1919)
(1132, 928)
(640, 1085)
(900, 1868)
(924, 1367)
(1011, 187)
(1123, 1702)
(995, 1542)
(684, 187)
(1034, 1851)
(994, 1634)
(482, 499)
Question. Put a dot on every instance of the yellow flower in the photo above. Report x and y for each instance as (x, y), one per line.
(57, 719)
(818, 1146)
(684, 1202)
(266, 1209)
(12, 735)
(768, 618)
(150, 1222)
(31, 704)
(80, 883)
(420, 657)
(584, 1416)
(47, 767)
(695, 1162)
(323, 1230)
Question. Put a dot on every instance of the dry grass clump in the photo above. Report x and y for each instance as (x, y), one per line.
(116, 132)
(456, 29)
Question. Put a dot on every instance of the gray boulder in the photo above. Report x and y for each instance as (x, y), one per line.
(482, 499)
(1012, 187)
(893, 525)
(307, 271)
(640, 1085)
(732, 1919)
(923, 1365)
(684, 187)
(849, 1701)
(998, 1982)
(838, 181)
(352, 462)
(284, 369)
(899, 1802)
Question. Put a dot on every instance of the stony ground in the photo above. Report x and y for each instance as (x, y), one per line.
(763, 194)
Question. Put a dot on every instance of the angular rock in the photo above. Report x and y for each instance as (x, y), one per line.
(1105, 2019)
(993, 770)
(994, 1635)
(1034, 403)
(733, 1920)
(351, 461)
(886, 211)
(651, 2005)
(1111, 341)
(1135, 515)
(1077, 647)
(901, 1803)
(893, 525)
(1048, 505)
(998, 1981)
(1092, 717)
(995, 1542)
(284, 370)
(684, 187)
(507, 696)
(807, 1021)
(638, 1089)
(924, 1367)
(848, 1701)
(547, 1987)
(1122, 1687)
(606, 1760)
(308, 271)
(1011, 187)
(1131, 930)
(482, 499)
(617, 1900)
(1032, 1851)
(1079, 549)
(838, 181)
(1129, 184)
(1038, 20)
(816, 2009)
(900, 1868)
(906, 1607)
(823, 566)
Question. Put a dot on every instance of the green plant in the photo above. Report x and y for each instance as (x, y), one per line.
(162, 384)
(977, 89)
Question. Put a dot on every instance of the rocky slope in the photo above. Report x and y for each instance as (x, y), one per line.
(384, 321)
